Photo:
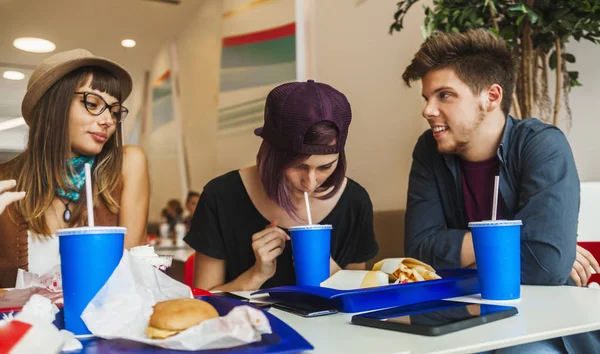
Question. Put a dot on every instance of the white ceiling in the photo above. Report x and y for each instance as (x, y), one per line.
(96, 25)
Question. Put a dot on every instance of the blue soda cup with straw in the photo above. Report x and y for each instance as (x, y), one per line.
(311, 248)
(88, 256)
(497, 245)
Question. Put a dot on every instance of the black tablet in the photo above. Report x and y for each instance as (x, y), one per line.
(303, 309)
(434, 318)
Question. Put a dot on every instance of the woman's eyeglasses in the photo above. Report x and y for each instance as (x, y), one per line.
(95, 105)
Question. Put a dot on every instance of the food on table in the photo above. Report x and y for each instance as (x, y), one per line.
(173, 316)
(406, 270)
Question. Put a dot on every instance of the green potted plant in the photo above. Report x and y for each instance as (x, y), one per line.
(536, 30)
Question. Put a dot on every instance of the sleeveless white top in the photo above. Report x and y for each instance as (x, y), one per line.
(42, 253)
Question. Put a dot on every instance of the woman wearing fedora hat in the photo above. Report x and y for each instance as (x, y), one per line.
(238, 227)
(73, 107)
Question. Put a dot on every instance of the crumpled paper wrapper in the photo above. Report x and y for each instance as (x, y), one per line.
(122, 309)
(385, 272)
(48, 285)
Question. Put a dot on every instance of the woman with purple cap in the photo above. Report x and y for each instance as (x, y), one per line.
(239, 227)
(73, 107)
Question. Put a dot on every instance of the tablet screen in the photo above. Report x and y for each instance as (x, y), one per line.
(439, 317)
(434, 317)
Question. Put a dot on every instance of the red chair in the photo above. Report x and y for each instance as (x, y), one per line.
(594, 248)
(188, 270)
(188, 277)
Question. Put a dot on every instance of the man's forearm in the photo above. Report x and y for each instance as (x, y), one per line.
(467, 252)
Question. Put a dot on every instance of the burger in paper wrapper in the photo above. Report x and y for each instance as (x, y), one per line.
(406, 270)
(385, 272)
(173, 316)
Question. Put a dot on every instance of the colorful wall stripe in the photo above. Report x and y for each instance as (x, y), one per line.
(255, 59)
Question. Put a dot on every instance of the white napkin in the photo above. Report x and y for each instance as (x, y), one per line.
(123, 306)
(355, 279)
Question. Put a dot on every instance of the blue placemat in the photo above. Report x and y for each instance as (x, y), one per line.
(283, 338)
(454, 282)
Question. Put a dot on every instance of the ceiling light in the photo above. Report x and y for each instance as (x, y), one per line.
(128, 43)
(12, 123)
(13, 75)
(34, 45)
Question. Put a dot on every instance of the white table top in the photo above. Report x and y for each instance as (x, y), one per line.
(167, 248)
(544, 312)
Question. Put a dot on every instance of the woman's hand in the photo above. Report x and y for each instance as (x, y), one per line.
(267, 246)
(6, 197)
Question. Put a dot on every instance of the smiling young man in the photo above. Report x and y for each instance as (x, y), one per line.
(468, 80)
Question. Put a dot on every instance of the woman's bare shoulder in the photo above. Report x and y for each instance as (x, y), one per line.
(134, 158)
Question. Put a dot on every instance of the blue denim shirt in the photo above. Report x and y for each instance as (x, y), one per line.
(538, 185)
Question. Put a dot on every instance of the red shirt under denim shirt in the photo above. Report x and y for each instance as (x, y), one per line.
(478, 188)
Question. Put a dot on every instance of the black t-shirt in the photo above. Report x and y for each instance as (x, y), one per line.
(225, 220)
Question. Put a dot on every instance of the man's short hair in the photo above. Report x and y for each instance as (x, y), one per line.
(478, 57)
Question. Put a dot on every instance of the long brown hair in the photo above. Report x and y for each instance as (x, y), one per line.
(478, 57)
(43, 165)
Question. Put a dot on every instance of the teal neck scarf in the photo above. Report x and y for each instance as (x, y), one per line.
(77, 179)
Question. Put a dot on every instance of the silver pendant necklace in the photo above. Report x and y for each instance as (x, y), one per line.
(67, 213)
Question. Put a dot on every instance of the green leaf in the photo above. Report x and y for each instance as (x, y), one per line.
(574, 75)
(520, 19)
(518, 8)
(424, 31)
(533, 17)
(455, 14)
(569, 58)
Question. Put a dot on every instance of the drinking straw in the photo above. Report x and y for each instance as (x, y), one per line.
(495, 205)
(307, 208)
(88, 193)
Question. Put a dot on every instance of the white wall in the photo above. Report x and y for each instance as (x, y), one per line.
(237, 147)
(354, 53)
(583, 136)
(198, 52)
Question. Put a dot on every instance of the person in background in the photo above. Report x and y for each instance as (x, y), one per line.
(172, 214)
(74, 109)
(190, 206)
(467, 82)
(239, 227)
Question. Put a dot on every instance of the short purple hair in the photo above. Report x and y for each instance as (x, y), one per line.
(273, 162)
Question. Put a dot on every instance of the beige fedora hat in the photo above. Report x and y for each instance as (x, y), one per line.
(53, 68)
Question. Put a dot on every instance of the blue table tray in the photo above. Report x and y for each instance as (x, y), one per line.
(283, 338)
(454, 282)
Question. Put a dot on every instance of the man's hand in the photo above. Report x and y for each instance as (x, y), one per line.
(582, 268)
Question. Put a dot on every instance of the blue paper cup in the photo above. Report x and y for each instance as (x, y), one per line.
(497, 245)
(311, 246)
(88, 257)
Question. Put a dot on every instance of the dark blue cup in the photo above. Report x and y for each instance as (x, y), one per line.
(311, 247)
(497, 245)
(88, 257)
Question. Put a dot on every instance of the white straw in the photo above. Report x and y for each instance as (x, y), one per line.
(88, 194)
(307, 208)
(495, 205)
